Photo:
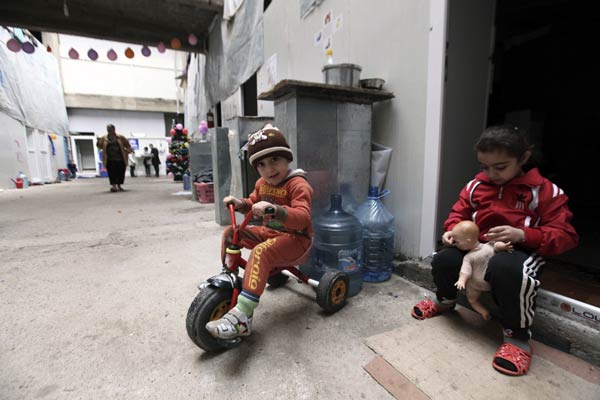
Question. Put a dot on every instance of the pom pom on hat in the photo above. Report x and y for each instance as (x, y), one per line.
(268, 142)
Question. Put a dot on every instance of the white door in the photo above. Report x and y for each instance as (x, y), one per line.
(469, 46)
(38, 156)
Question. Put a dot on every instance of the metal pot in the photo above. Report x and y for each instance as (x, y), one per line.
(372, 83)
(342, 74)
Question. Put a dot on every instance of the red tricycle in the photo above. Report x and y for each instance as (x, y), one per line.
(219, 293)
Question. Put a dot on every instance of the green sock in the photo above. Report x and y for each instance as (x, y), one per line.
(246, 305)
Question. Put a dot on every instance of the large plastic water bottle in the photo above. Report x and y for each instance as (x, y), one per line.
(377, 236)
(337, 245)
(187, 182)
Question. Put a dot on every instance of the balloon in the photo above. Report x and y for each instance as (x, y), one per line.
(112, 55)
(49, 49)
(204, 123)
(204, 130)
(179, 127)
(185, 131)
(172, 131)
(129, 52)
(146, 51)
(92, 54)
(160, 47)
(53, 136)
(168, 140)
(13, 45)
(175, 43)
(192, 39)
(73, 54)
(27, 47)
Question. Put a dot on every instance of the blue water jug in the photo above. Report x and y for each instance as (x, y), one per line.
(187, 182)
(337, 245)
(377, 237)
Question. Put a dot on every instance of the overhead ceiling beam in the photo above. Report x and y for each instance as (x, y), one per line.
(134, 21)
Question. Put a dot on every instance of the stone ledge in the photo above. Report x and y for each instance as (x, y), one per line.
(549, 327)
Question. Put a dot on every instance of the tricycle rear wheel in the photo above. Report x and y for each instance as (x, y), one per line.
(332, 291)
(211, 303)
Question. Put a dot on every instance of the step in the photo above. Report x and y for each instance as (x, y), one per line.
(560, 322)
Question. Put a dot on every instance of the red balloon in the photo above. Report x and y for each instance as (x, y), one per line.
(185, 131)
(172, 132)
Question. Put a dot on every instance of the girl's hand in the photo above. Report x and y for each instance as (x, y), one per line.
(259, 208)
(505, 233)
(237, 203)
(447, 238)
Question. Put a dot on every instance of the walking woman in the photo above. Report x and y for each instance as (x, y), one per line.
(115, 150)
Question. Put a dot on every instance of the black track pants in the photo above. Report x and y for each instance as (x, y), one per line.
(512, 277)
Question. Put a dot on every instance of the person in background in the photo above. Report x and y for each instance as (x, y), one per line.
(147, 160)
(132, 164)
(155, 159)
(115, 149)
(509, 203)
(72, 168)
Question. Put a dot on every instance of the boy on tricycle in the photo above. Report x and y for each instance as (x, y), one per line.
(285, 235)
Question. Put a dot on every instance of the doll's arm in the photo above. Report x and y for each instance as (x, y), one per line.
(466, 270)
(503, 246)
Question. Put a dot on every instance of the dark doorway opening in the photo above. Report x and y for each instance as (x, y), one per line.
(546, 80)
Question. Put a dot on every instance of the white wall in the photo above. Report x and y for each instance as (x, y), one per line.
(145, 77)
(13, 150)
(389, 40)
(151, 124)
(147, 127)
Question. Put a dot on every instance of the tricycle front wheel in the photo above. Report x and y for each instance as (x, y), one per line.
(211, 303)
(332, 291)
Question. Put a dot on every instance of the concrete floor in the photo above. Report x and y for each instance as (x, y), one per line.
(95, 287)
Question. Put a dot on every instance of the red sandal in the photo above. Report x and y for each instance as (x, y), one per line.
(514, 355)
(428, 309)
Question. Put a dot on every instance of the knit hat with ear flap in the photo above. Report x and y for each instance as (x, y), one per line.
(268, 142)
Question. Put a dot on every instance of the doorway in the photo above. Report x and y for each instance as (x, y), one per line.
(84, 154)
(39, 156)
(546, 81)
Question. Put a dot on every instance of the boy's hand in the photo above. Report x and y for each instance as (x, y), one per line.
(447, 238)
(237, 203)
(460, 285)
(259, 208)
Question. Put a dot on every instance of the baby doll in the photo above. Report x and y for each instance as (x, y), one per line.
(465, 236)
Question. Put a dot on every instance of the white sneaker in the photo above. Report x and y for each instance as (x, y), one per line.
(232, 325)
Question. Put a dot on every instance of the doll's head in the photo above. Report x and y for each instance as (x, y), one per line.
(465, 235)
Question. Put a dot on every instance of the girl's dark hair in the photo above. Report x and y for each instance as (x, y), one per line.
(507, 138)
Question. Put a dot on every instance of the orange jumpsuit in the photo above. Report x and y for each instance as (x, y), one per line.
(282, 239)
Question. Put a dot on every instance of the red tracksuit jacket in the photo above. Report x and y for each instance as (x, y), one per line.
(529, 202)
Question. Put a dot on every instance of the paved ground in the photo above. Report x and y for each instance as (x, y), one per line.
(95, 287)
